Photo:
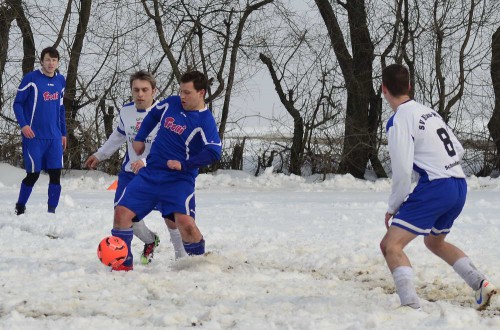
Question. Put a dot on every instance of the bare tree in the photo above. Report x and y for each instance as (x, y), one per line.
(363, 108)
(74, 154)
(6, 18)
(28, 40)
(494, 123)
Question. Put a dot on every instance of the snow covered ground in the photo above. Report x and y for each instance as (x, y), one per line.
(285, 253)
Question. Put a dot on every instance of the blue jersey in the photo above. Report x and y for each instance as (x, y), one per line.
(190, 137)
(39, 104)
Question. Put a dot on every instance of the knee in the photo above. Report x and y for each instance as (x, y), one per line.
(31, 179)
(54, 176)
(123, 218)
(186, 223)
(389, 248)
(383, 247)
(433, 245)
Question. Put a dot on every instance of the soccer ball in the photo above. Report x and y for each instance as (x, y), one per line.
(112, 251)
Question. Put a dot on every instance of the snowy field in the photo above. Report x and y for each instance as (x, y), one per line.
(285, 253)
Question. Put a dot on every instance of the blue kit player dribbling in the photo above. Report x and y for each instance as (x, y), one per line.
(143, 88)
(40, 112)
(420, 140)
(186, 140)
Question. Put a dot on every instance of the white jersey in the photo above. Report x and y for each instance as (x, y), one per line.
(420, 140)
(130, 122)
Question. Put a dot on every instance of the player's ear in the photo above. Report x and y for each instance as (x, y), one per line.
(384, 89)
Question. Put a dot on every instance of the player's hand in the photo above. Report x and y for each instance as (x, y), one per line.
(64, 143)
(28, 132)
(92, 162)
(139, 147)
(174, 165)
(137, 165)
(388, 217)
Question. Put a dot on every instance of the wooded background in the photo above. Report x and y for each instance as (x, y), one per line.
(323, 57)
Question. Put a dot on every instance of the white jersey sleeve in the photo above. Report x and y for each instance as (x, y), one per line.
(114, 142)
(401, 151)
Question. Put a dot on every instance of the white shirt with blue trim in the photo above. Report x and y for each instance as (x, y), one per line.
(420, 140)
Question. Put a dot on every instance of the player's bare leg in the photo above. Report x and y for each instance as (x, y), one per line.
(464, 267)
(194, 244)
(446, 251)
(392, 245)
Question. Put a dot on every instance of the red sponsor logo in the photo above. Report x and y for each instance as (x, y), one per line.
(170, 124)
(49, 97)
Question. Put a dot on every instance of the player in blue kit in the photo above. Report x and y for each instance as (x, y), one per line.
(40, 113)
(186, 140)
(143, 88)
(420, 140)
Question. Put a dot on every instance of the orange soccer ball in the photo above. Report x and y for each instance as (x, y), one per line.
(112, 251)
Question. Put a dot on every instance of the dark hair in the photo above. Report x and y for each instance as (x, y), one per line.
(199, 79)
(143, 75)
(396, 79)
(52, 51)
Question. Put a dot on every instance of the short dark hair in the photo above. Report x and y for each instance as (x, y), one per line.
(52, 51)
(396, 79)
(143, 75)
(199, 80)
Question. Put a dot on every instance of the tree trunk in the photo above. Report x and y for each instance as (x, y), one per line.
(28, 40)
(297, 149)
(6, 18)
(233, 61)
(359, 142)
(494, 123)
(74, 151)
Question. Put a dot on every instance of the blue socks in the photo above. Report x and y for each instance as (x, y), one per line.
(195, 248)
(54, 194)
(126, 235)
(24, 194)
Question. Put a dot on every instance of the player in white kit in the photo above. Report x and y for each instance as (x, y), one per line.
(419, 140)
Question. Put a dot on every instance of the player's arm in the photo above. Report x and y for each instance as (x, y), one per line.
(62, 118)
(401, 151)
(112, 144)
(212, 149)
(23, 92)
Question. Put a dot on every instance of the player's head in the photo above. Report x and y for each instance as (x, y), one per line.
(396, 80)
(49, 59)
(143, 87)
(193, 88)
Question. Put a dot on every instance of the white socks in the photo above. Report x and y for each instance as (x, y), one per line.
(143, 232)
(466, 269)
(403, 278)
(175, 238)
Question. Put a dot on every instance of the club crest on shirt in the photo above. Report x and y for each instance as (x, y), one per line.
(170, 124)
(137, 126)
(50, 97)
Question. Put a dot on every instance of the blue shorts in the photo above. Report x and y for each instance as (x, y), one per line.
(173, 193)
(432, 207)
(124, 179)
(42, 154)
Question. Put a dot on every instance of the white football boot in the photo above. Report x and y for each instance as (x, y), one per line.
(483, 294)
